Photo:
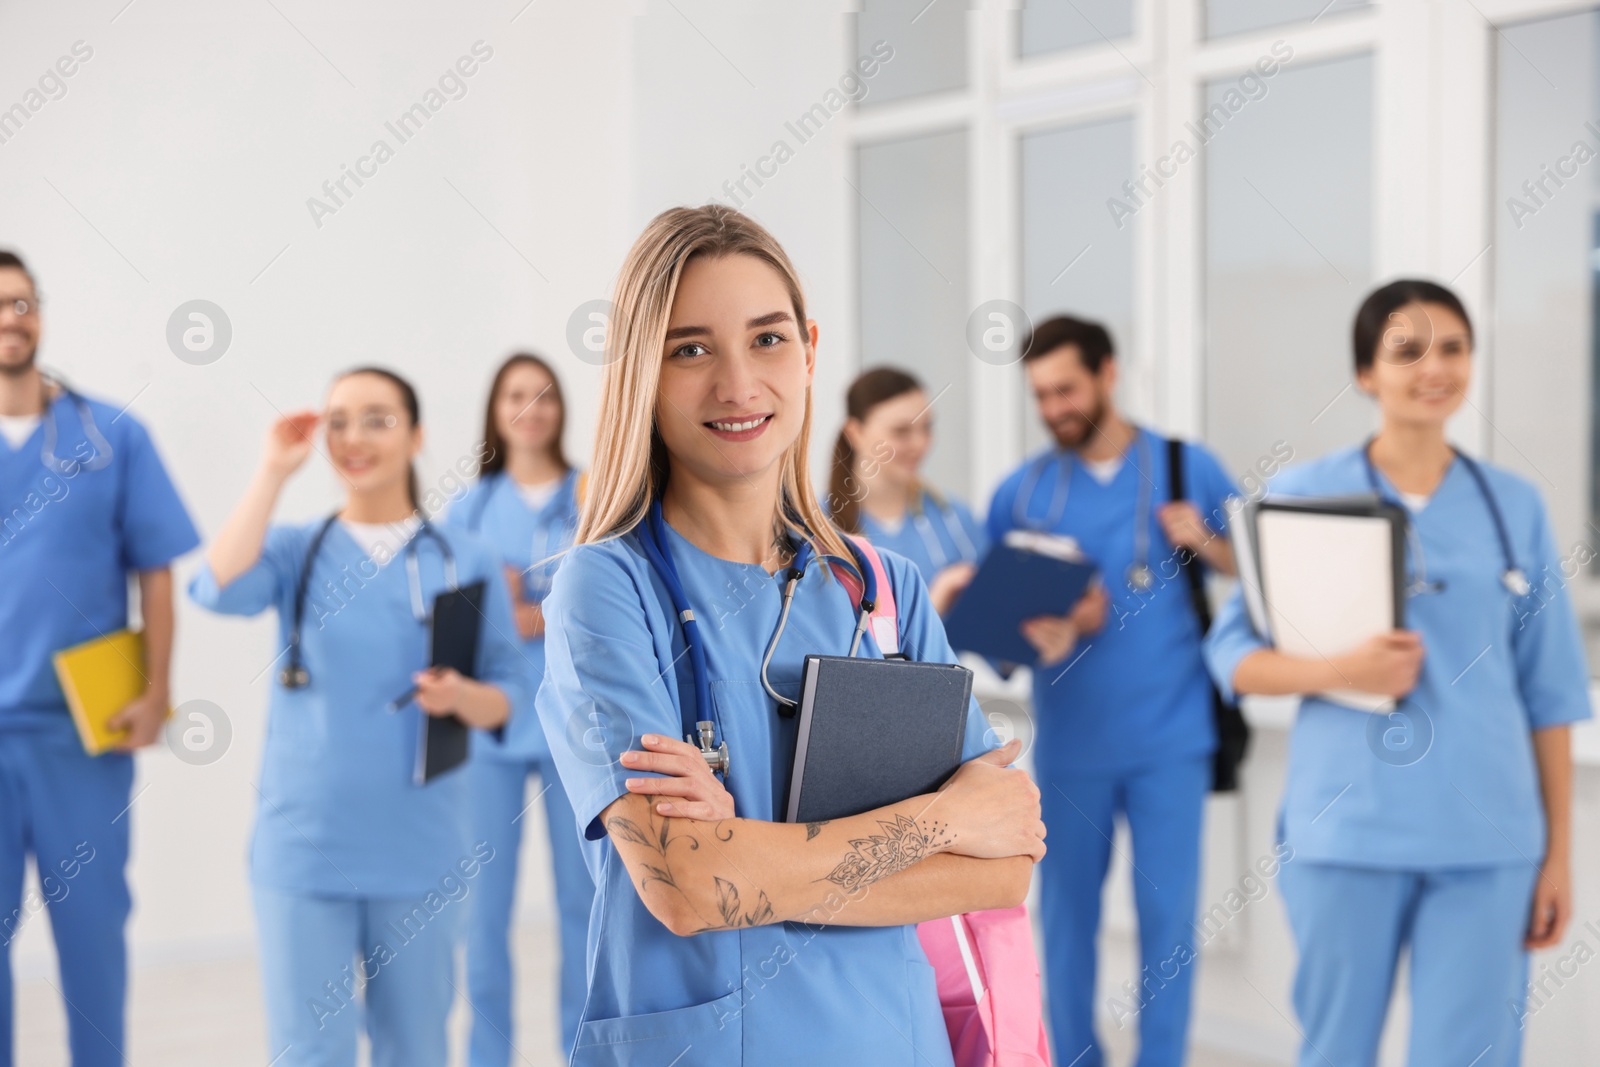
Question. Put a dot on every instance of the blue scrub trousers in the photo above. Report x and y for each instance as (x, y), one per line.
(1469, 971)
(60, 805)
(1164, 806)
(499, 804)
(323, 980)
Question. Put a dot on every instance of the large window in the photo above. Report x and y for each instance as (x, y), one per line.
(912, 232)
(1546, 220)
(1288, 240)
(1222, 182)
(1077, 255)
(1055, 25)
(929, 42)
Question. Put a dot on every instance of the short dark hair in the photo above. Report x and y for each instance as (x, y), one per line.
(1089, 338)
(1385, 300)
(9, 258)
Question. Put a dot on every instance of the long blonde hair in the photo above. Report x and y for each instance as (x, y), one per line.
(631, 465)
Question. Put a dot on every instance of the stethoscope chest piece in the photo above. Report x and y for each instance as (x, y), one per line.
(716, 756)
(1513, 577)
(1516, 582)
(294, 676)
(1141, 578)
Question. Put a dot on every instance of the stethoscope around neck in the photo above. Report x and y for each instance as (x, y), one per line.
(557, 518)
(91, 431)
(1140, 577)
(295, 674)
(1512, 576)
(967, 552)
(707, 723)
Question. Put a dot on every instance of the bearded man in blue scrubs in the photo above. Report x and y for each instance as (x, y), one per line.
(1120, 693)
(84, 503)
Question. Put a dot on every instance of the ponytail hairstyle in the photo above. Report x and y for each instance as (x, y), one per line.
(631, 464)
(494, 442)
(870, 389)
(408, 400)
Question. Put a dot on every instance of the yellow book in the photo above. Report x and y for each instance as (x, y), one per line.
(99, 678)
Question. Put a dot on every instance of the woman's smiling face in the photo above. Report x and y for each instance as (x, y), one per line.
(735, 371)
(1422, 367)
(526, 410)
(370, 437)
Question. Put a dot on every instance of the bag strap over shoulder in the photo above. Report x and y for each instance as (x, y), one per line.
(1186, 560)
(883, 618)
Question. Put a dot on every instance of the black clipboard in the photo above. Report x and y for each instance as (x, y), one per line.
(444, 741)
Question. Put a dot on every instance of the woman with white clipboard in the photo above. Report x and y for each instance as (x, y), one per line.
(1441, 827)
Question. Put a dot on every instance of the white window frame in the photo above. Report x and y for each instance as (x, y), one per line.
(1433, 204)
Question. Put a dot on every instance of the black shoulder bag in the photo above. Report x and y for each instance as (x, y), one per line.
(1233, 733)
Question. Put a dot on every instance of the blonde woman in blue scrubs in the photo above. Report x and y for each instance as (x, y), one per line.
(524, 504)
(1443, 830)
(741, 941)
(874, 489)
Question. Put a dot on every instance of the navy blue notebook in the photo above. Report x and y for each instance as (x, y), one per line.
(1013, 584)
(874, 732)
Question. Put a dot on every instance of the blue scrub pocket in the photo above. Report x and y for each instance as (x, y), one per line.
(709, 1033)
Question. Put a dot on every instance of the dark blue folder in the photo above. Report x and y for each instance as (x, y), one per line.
(874, 732)
(1013, 584)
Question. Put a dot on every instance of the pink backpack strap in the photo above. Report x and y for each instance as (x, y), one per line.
(883, 618)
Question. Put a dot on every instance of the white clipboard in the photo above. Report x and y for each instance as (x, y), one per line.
(1328, 574)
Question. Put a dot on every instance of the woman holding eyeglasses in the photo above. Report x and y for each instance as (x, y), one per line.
(1441, 830)
(360, 872)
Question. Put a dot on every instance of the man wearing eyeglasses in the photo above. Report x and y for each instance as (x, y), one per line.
(85, 502)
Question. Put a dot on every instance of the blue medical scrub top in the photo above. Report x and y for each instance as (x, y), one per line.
(340, 815)
(617, 668)
(1136, 692)
(1449, 780)
(934, 535)
(69, 536)
(494, 510)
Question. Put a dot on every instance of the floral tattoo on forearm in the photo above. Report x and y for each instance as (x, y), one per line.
(903, 843)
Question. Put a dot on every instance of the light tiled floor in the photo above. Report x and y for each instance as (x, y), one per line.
(209, 1015)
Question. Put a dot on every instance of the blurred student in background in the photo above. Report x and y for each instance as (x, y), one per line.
(874, 489)
(525, 505)
(360, 874)
(1442, 829)
(1120, 692)
(85, 503)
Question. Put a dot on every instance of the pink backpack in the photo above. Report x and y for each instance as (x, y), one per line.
(987, 970)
